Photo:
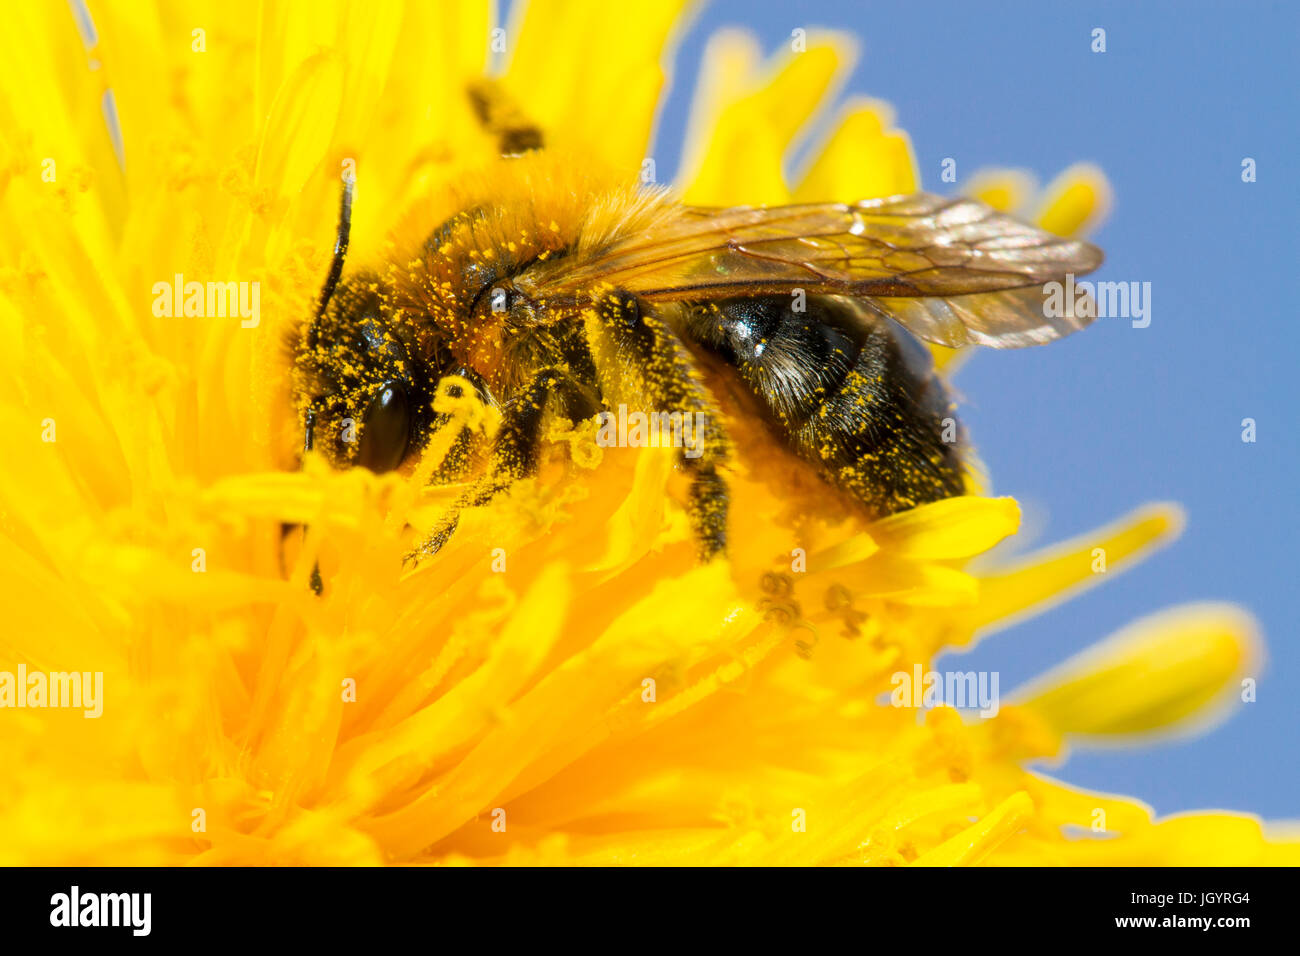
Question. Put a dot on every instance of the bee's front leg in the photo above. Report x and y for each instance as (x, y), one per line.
(639, 358)
(514, 456)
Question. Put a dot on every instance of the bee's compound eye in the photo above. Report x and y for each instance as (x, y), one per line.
(385, 430)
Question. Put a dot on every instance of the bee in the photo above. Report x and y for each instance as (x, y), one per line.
(554, 291)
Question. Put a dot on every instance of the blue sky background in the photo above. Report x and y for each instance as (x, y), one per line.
(1085, 430)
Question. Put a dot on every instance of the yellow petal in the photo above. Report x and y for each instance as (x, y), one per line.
(1006, 190)
(864, 158)
(1075, 202)
(951, 528)
(1043, 580)
(300, 126)
(593, 75)
(1155, 675)
(982, 837)
(731, 60)
(1216, 839)
(946, 359)
(752, 134)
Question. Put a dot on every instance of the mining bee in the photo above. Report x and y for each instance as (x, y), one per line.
(554, 291)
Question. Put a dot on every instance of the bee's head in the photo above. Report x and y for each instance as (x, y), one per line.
(361, 390)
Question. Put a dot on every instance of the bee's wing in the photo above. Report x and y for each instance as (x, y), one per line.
(954, 271)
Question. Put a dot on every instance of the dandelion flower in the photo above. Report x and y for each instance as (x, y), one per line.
(563, 683)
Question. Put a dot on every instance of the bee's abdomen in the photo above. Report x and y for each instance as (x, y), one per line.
(853, 394)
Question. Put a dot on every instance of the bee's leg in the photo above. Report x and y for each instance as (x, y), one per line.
(514, 455)
(639, 356)
(708, 510)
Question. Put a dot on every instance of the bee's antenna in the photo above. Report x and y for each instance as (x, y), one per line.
(340, 245)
